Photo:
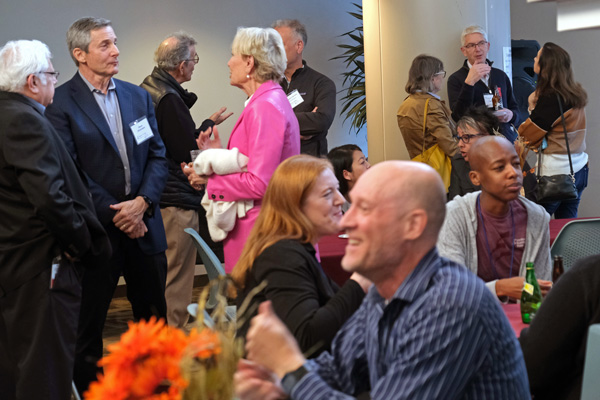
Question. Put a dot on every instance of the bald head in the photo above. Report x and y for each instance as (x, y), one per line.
(407, 185)
(486, 149)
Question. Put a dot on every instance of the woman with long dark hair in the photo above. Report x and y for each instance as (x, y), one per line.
(544, 129)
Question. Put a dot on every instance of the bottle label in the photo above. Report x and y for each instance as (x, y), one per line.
(528, 287)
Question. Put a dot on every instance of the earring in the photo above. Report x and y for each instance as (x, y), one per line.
(247, 76)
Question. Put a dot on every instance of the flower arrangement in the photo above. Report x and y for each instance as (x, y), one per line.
(154, 361)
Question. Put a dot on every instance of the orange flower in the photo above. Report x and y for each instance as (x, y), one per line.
(204, 344)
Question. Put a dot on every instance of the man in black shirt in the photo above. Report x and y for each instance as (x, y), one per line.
(176, 59)
(311, 93)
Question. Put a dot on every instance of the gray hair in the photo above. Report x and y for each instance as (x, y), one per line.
(79, 33)
(422, 69)
(168, 56)
(19, 59)
(472, 29)
(295, 25)
(266, 46)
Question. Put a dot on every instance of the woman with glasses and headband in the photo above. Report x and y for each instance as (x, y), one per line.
(423, 118)
(266, 132)
(475, 123)
(544, 129)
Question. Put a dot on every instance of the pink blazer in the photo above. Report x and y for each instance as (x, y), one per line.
(267, 132)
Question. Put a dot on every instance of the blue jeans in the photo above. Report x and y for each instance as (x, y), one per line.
(568, 208)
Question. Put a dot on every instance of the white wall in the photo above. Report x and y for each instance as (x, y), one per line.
(538, 21)
(399, 30)
(141, 24)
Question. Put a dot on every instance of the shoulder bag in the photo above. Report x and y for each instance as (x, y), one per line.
(434, 156)
(556, 187)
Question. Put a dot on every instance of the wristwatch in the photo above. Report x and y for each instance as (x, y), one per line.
(150, 211)
(292, 378)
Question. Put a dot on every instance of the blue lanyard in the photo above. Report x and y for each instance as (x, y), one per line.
(487, 244)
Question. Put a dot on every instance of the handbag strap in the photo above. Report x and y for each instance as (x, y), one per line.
(425, 124)
(564, 124)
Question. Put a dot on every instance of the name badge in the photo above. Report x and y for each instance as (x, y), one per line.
(141, 130)
(295, 98)
(487, 97)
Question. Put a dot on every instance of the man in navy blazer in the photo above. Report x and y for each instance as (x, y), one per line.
(109, 127)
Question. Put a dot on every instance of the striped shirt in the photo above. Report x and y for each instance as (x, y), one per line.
(443, 335)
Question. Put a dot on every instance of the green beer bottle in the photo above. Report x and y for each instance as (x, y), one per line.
(531, 297)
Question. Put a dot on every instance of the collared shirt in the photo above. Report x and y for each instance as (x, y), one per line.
(109, 105)
(442, 335)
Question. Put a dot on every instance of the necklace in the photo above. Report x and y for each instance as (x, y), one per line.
(487, 244)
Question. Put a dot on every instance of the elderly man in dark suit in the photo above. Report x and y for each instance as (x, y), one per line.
(48, 225)
(109, 127)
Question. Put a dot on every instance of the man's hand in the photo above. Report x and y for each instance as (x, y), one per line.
(504, 114)
(477, 72)
(129, 215)
(270, 344)
(253, 382)
(138, 231)
(306, 137)
(205, 142)
(218, 117)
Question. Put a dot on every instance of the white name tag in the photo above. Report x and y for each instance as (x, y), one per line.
(295, 98)
(487, 97)
(141, 130)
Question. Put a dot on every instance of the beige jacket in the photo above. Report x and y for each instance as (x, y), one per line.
(440, 127)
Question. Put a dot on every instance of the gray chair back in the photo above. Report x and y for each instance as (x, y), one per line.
(577, 239)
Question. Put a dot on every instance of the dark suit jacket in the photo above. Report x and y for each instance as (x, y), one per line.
(45, 207)
(80, 122)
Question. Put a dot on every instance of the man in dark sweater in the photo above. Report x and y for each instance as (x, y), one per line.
(180, 206)
(476, 82)
(311, 93)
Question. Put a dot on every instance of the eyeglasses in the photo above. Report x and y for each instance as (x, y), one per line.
(55, 74)
(195, 60)
(467, 138)
(479, 44)
(443, 73)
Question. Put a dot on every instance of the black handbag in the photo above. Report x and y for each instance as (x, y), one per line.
(556, 187)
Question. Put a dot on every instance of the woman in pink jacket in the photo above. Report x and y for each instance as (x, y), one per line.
(266, 132)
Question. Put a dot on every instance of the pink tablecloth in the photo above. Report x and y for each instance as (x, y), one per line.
(513, 312)
(331, 250)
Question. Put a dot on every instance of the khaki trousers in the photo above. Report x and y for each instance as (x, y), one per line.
(181, 261)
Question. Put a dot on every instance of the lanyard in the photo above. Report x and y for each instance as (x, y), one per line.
(487, 244)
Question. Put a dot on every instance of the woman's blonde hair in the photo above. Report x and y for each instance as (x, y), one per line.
(281, 216)
(266, 46)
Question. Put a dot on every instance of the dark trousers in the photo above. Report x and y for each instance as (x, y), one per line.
(314, 147)
(145, 276)
(38, 331)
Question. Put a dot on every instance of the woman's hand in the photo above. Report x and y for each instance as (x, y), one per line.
(197, 181)
(205, 142)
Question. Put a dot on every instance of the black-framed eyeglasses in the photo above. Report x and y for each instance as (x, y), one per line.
(478, 44)
(466, 138)
(443, 73)
(195, 60)
(55, 74)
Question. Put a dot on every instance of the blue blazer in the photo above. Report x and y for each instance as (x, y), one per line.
(78, 119)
